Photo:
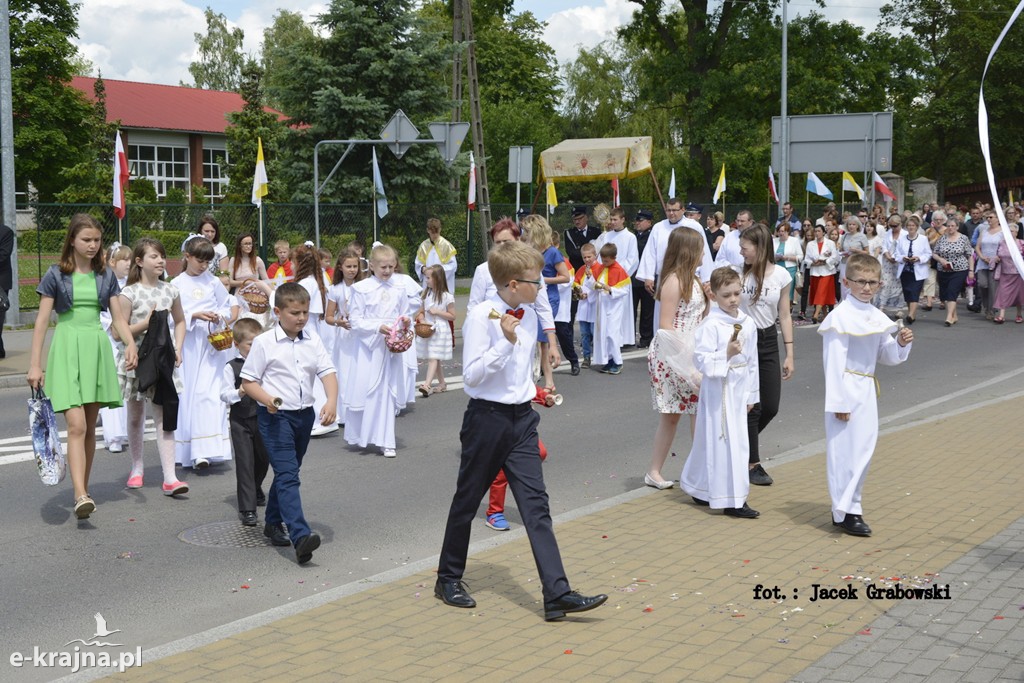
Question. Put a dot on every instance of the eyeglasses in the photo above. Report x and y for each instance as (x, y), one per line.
(866, 284)
(673, 210)
(535, 283)
(862, 215)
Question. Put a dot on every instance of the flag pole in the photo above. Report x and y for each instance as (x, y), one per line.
(807, 203)
(469, 211)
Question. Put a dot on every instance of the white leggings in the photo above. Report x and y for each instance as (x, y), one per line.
(164, 440)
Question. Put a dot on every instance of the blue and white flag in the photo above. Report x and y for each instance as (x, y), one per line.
(378, 189)
(815, 186)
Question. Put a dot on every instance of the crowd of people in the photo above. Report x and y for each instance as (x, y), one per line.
(237, 360)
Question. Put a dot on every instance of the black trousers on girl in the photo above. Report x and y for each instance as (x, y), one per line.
(769, 369)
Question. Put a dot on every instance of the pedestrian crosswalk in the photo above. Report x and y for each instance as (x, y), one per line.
(19, 448)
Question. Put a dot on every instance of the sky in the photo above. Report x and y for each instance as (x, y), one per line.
(153, 41)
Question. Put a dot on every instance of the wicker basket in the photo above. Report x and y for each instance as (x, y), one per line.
(221, 339)
(401, 337)
(257, 299)
(423, 330)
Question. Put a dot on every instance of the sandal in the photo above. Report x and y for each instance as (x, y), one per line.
(84, 506)
(440, 389)
(424, 389)
(998, 321)
(1019, 320)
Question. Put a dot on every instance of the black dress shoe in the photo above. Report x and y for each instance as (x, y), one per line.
(700, 502)
(261, 500)
(644, 343)
(745, 512)
(853, 525)
(758, 477)
(454, 593)
(575, 370)
(570, 603)
(908, 320)
(276, 534)
(305, 546)
(248, 517)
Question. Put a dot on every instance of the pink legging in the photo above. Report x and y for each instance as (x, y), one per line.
(164, 440)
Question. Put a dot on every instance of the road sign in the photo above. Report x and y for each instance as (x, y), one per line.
(448, 136)
(399, 133)
(836, 142)
(520, 164)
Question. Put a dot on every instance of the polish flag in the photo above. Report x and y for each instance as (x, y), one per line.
(880, 186)
(471, 197)
(616, 198)
(771, 185)
(120, 176)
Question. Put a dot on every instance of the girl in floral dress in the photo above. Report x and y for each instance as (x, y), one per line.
(674, 380)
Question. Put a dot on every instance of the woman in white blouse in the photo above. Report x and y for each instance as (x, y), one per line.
(821, 258)
(913, 254)
(788, 254)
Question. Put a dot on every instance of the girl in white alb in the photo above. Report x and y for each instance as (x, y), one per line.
(381, 382)
(347, 271)
(309, 275)
(437, 309)
(115, 420)
(202, 436)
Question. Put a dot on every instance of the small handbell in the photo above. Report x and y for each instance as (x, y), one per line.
(736, 329)
(494, 315)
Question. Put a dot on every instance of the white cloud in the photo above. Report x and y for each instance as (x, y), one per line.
(151, 41)
(585, 26)
(260, 14)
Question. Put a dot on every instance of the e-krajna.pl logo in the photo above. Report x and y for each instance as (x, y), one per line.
(78, 658)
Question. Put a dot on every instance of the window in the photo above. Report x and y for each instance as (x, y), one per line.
(214, 179)
(166, 167)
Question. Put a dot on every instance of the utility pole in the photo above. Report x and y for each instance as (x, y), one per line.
(10, 216)
(457, 26)
(483, 198)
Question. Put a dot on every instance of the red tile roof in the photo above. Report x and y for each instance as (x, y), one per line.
(165, 107)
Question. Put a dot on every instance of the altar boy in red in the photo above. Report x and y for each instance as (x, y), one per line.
(499, 431)
(613, 328)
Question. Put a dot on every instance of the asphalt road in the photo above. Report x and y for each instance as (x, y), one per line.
(128, 562)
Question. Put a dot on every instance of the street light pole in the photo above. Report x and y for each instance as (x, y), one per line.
(784, 142)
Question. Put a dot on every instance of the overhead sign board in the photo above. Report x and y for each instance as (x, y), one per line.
(520, 164)
(400, 133)
(835, 142)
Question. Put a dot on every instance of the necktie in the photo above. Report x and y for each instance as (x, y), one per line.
(910, 249)
(518, 313)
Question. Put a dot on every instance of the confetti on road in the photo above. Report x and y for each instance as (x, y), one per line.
(567, 652)
(864, 632)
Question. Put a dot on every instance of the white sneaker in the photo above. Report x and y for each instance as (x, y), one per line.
(200, 464)
(390, 453)
(115, 448)
(320, 430)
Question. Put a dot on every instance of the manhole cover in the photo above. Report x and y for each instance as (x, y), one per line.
(226, 535)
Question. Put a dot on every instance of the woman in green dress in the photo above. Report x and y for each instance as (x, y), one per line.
(81, 377)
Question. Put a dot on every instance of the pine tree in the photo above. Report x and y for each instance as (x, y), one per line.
(246, 126)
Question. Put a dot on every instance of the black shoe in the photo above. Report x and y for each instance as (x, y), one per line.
(908, 321)
(700, 502)
(305, 546)
(570, 603)
(276, 534)
(261, 500)
(575, 369)
(248, 517)
(644, 343)
(454, 593)
(745, 512)
(758, 477)
(853, 525)
(927, 308)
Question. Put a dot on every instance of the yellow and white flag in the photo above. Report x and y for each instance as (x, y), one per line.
(259, 179)
(552, 197)
(720, 190)
(850, 185)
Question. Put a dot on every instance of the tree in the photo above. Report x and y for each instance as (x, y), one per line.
(955, 37)
(219, 66)
(48, 112)
(288, 30)
(91, 180)
(246, 127)
(373, 58)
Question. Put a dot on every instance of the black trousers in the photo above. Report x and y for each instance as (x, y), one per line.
(769, 370)
(643, 303)
(496, 436)
(251, 461)
(804, 290)
(563, 331)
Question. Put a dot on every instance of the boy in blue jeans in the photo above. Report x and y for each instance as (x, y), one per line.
(279, 374)
(587, 308)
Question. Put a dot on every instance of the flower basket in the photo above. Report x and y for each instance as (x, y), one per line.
(222, 338)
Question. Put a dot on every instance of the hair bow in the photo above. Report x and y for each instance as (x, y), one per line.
(309, 243)
(191, 236)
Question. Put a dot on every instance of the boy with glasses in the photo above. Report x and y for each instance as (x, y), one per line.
(856, 336)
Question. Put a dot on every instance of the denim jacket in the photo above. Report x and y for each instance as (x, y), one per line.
(58, 286)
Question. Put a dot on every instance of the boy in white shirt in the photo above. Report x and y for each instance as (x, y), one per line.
(499, 431)
(279, 374)
(716, 472)
(855, 335)
(586, 309)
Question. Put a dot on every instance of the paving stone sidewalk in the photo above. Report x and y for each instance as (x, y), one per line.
(943, 498)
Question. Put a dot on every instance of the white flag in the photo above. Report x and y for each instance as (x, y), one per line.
(471, 196)
(259, 178)
(378, 189)
(672, 185)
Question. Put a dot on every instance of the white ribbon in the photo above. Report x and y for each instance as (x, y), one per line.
(986, 152)
(191, 236)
